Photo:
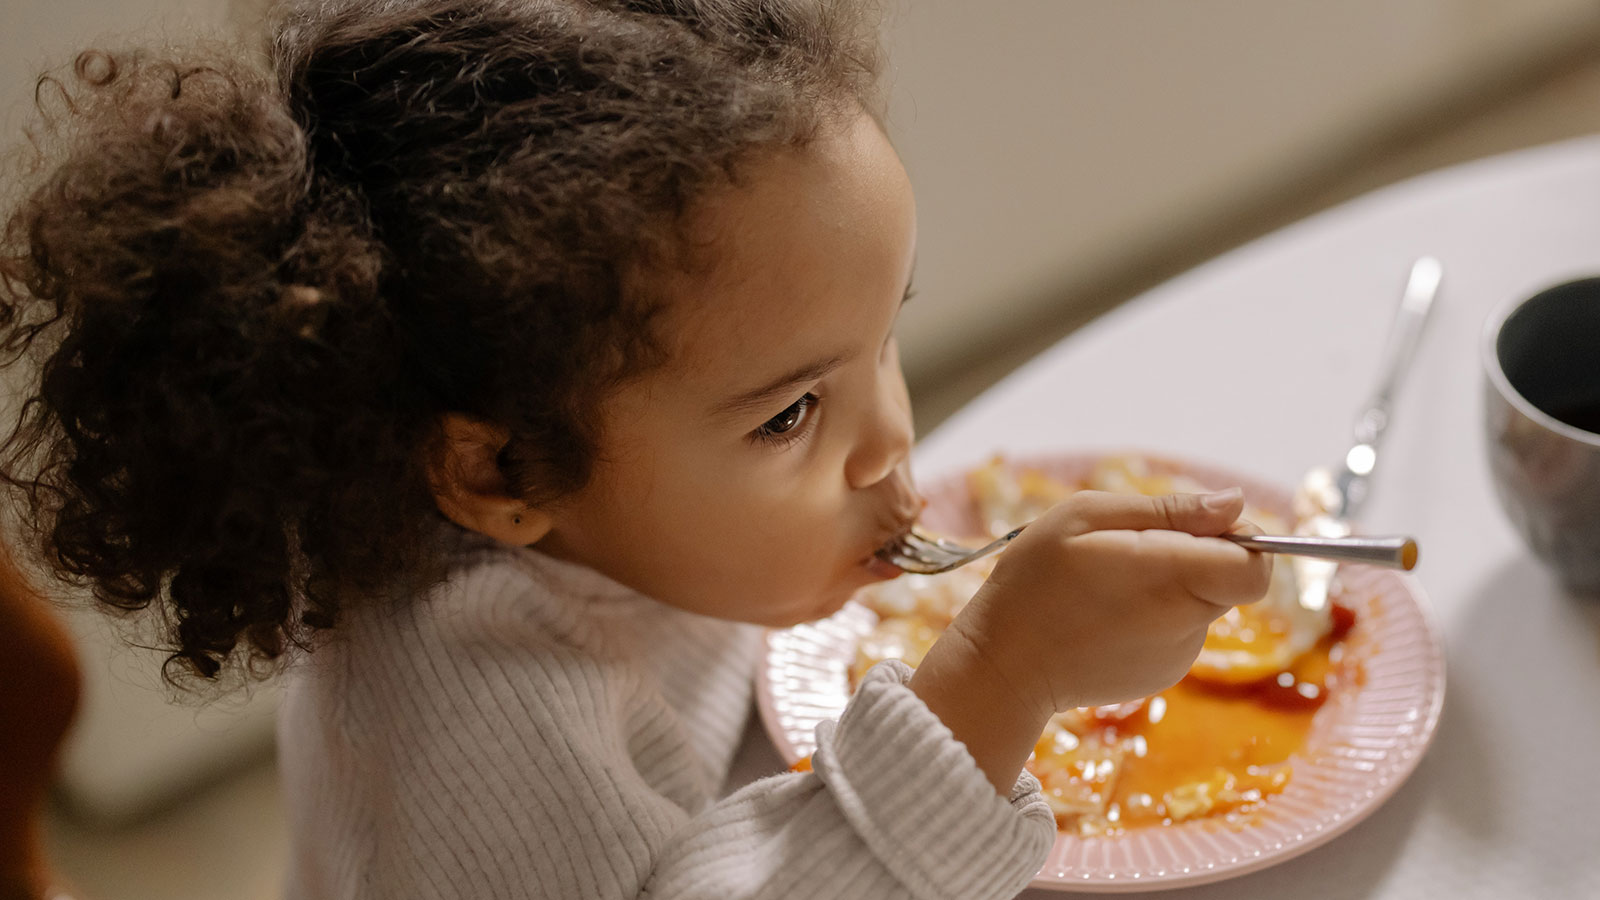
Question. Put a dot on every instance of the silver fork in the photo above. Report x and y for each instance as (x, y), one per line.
(922, 555)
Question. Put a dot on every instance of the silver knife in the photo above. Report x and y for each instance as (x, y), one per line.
(1328, 500)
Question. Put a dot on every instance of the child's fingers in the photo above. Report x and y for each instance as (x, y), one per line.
(1245, 526)
(1229, 575)
(1197, 514)
(1219, 572)
(1263, 561)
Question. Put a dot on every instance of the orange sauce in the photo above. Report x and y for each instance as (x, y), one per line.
(1195, 750)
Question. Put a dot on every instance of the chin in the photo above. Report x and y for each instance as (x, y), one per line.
(798, 610)
(833, 603)
(806, 609)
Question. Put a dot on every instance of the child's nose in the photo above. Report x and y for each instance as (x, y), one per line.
(885, 441)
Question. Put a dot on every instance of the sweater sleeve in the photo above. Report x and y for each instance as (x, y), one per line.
(894, 807)
(517, 778)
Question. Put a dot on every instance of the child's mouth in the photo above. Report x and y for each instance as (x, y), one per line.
(878, 563)
(882, 568)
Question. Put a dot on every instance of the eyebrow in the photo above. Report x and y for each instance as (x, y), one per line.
(762, 397)
(771, 392)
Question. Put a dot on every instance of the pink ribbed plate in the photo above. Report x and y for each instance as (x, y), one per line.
(1364, 741)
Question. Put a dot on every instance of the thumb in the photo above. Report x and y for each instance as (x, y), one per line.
(1207, 514)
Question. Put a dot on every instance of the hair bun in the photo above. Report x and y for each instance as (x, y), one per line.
(210, 332)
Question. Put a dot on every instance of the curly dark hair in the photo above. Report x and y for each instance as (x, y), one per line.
(249, 296)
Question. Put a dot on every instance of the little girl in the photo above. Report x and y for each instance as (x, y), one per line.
(498, 367)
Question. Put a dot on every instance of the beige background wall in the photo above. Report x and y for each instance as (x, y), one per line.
(1054, 143)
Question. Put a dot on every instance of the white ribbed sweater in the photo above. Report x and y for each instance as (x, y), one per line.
(532, 729)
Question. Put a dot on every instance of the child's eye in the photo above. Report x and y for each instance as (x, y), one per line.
(785, 426)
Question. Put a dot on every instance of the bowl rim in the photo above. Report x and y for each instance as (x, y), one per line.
(1489, 353)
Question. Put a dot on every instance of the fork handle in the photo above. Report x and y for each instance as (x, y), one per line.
(1390, 552)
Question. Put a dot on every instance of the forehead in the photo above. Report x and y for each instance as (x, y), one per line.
(804, 250)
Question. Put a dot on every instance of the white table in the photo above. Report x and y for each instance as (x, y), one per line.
(1258, 361)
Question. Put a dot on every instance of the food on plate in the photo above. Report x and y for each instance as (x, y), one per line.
(1215, 745)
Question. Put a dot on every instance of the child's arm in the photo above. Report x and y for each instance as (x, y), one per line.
(478, 753)
(893, 807)
(1107, 597)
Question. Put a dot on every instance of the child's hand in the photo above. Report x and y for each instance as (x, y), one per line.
(1105, 598)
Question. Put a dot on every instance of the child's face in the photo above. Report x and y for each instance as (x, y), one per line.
(753, 476)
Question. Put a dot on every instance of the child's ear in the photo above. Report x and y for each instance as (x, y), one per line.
(470, 489)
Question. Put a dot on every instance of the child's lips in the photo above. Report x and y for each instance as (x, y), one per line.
(882, 568)
(875, 561)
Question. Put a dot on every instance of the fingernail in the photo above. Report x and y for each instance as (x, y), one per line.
(1220, 500)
